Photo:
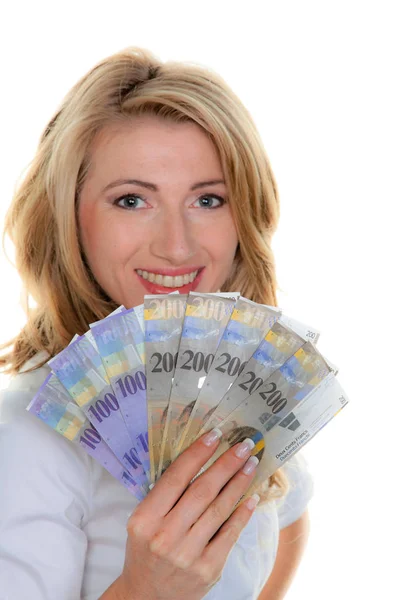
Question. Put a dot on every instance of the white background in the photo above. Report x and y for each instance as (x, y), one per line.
(321, 81)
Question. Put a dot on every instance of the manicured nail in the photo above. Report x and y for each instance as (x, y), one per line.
(250, 465)
(212, 436)
(252, 502)
(244, 448)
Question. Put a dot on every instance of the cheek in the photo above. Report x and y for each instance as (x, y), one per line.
(224, 247)
(100, 239)
(229, 241)
(85, 221)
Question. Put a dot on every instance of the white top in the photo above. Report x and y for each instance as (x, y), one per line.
(63, 517)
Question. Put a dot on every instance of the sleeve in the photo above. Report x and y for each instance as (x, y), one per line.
(44, 502)
(301, 488)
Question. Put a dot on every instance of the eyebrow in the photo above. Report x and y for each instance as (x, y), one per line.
(154, 188)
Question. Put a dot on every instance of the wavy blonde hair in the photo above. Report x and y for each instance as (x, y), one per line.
(42, 219)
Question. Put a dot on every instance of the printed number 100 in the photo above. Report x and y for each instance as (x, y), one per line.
(102, 408)
(130, 384)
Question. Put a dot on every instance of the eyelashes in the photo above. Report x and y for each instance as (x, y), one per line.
(206, 199)
(135, 201)
(128, 201)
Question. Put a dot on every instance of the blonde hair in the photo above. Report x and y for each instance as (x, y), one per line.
(42, 219)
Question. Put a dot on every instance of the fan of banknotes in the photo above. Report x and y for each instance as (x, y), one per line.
(142, 384)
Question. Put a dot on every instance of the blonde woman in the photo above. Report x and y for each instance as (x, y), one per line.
(150, 178)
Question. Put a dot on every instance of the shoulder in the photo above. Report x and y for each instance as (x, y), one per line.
(46, 500)
(29, 449)
(301, 487)
(21, 388)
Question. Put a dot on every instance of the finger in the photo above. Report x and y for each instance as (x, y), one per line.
(203, 491)
(217, 513)
(223, 542)
(173, 482)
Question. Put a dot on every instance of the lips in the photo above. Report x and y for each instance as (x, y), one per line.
(164, 281)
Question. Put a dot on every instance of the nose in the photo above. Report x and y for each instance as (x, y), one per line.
(173, 239)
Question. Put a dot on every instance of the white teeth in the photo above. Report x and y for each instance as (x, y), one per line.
(178, 281)
(168, 280)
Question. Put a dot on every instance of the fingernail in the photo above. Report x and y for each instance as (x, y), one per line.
(250, 465)
(244, 448)
(252, 502)
(212, 436)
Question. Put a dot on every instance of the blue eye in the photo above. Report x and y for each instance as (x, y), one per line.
(210, 201)
(128, 201)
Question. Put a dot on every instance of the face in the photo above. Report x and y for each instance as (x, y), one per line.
(153, 213)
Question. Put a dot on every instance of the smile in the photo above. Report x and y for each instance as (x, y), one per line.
(168, 281)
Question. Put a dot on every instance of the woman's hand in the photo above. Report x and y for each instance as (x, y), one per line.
(173, 550)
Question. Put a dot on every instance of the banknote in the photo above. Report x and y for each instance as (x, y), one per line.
(163, 319)
(232, 295)
(290, 384)
(300, 425)
(281, 394)
(206, 318)
(118, 342)
(139, 312)
(95, 396)
(207, 360)
(54, 406)
(137, 323)
(274, 447)
(308, 332)
(248, 324)
(277, 346)
(133, 315)
(92, 353)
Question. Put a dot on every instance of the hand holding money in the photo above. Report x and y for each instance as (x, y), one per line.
(142, 385)
(180, 535)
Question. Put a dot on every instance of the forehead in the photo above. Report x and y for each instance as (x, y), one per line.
(149, 141)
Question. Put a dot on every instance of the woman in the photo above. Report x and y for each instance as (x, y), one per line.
(150, 178)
